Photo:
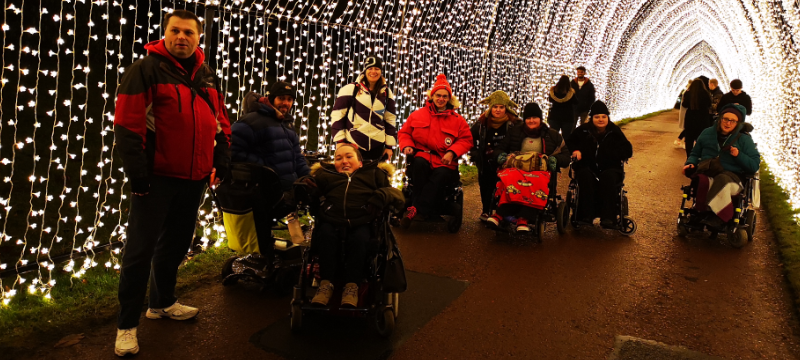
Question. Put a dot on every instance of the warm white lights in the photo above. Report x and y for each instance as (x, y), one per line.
(62, 189)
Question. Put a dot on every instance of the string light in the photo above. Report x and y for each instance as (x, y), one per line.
(65, 193)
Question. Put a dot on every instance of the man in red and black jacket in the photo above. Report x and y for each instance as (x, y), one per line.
(172, 132)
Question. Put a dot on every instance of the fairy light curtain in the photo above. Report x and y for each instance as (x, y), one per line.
(63, 190)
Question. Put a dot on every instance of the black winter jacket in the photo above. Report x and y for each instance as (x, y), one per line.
(742, 99)
(480, 155)
(562, 109)
(698, 120)
(585, 95)
(345, 199)
(260, 138)
(552, 143)
(600, 152)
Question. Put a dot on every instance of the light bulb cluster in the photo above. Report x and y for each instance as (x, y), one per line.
(62, 188)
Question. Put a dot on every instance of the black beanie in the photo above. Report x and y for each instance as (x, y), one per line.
(598, 108)
(531, 110)
(372, 61)
(281, 88)
(736, 84)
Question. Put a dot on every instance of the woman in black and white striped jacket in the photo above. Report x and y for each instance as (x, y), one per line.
(364, 113)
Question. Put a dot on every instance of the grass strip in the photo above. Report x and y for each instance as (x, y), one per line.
(783, 222)
(645, 116)
(86, 302)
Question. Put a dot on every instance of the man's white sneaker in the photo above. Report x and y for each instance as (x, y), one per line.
(126, 342)
(174, 312)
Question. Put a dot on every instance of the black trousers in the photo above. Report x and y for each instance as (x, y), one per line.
(689, 140)
(161, 227)
(427, 183)
(329, 238)
(487, 181)
(598, 193)
(566, 127)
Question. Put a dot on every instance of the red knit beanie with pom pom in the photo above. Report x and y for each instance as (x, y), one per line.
(441, 83)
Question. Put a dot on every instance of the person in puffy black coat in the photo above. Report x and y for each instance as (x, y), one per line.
(265, 134)
(562, 107)
(352, 195)
(531, 135)
(599, 148)
(737, 96)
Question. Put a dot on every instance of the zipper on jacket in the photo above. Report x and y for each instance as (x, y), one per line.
(194, 132)
(344, 207)
(178, 91)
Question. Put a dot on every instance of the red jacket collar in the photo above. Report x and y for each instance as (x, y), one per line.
(158, 47)
(432, 109)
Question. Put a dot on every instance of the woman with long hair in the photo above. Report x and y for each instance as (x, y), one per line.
(697, 102)
(562, 109)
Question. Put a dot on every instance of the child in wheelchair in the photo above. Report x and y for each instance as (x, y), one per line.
(352, 195)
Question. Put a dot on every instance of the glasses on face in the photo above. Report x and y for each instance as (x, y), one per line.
(727, 121)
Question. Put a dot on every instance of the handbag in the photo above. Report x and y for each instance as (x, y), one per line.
(713, 166)
(531, 161)
(394, 274)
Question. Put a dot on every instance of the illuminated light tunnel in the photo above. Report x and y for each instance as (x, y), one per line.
(62, 190)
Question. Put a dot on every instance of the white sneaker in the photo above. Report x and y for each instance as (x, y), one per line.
(174, 312)
(126, 342)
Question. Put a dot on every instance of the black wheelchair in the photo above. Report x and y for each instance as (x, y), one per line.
(553, 212)
(378, 296)
(740, 228)
(235, 200)
(624, 224)
(449, 200)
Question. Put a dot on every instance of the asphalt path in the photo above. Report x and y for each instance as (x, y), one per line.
(566, 298)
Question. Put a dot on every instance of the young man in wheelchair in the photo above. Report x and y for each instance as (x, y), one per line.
(352, 195)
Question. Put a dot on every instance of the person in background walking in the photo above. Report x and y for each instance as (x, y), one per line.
(562, 109)
(716, 95)
(679, 143)
(736, 96)
(697, 102)
(585, 94)
(490, 129)
(364, 113)
(172, 132)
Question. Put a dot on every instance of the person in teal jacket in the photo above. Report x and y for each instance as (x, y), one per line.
(729, 139)
(743, 156)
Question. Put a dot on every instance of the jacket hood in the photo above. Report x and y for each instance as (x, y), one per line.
(158, 47)
(566, 98)
(453, 100)
(388, 168)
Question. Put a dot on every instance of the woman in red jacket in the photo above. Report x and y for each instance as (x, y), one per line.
(436, 136)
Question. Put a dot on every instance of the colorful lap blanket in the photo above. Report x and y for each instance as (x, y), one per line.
(716, 194)
(528, 188)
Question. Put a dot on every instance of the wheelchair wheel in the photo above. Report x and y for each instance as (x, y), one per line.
(737, 238)
(683, 229)
(562, 217)
(296, 322)
(750, 221)
(539, 229)
(384, 321)
(627, 226)
(227, 270)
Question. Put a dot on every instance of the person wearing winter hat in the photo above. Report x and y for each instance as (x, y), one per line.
(599, 149)
(737, 96)
(433, 138)
(490, 129)
(562, 107)
(531, 135)
(730, 140)
(364, 113)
